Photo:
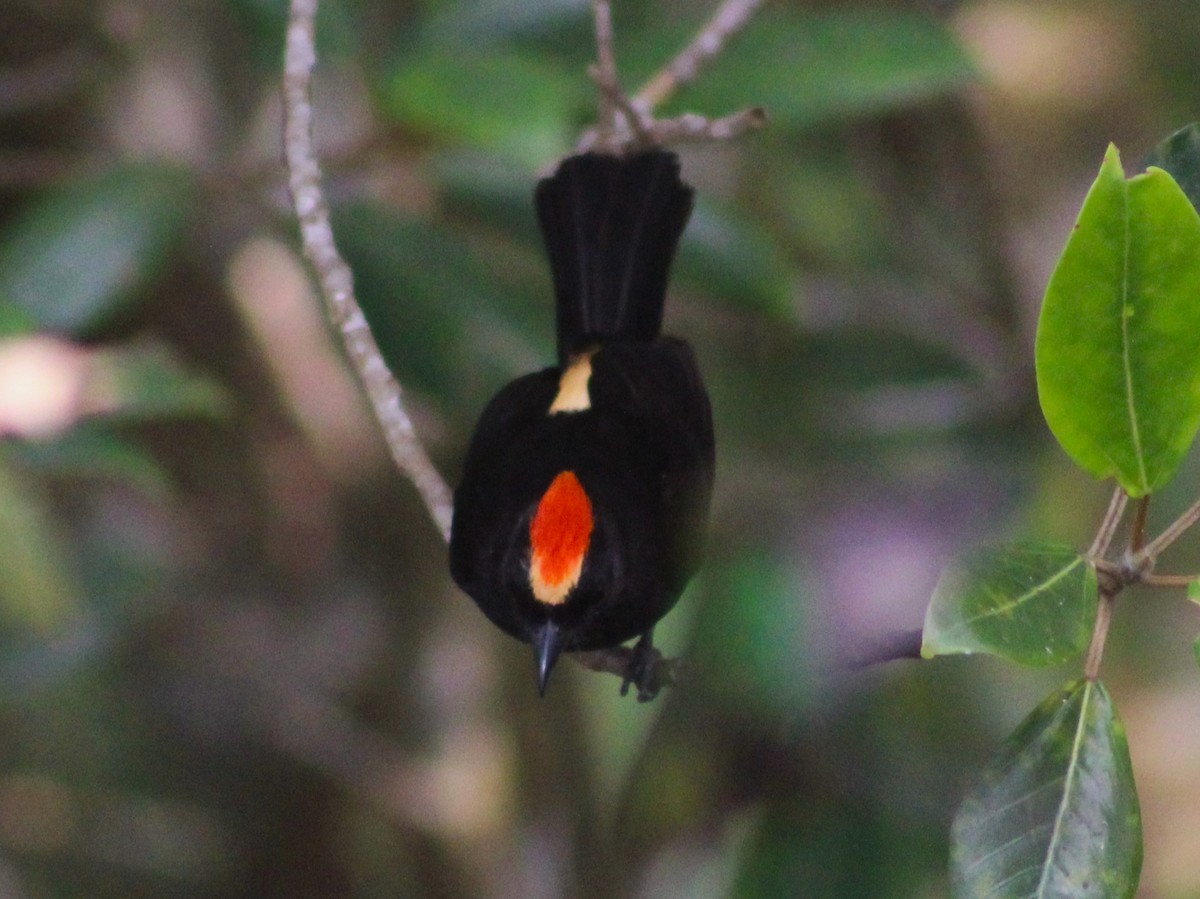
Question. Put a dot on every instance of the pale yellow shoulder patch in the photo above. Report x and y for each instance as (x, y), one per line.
(573, 395)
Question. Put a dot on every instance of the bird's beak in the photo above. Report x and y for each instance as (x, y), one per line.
(547, 644)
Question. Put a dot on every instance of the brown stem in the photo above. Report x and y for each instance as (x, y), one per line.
(1108, 525)
(1137, 536)
(606, 66)
(618, 104)
(1169, 580)
(1091, 668)
(1174, 531)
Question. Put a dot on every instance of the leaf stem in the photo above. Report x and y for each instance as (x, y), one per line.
(1137, 535)
(1174, 531)
(1108, 525)
(1091, 668)
(1169, 580)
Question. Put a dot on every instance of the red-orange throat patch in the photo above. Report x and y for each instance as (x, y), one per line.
(558, 539)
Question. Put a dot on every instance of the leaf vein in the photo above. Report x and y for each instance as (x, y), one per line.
(1018, 838)
(1024, 597)
(1126, 314)
(1072, 769)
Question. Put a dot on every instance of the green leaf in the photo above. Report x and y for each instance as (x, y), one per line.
(517, 105)
(1193, 591)
(1030, 603)
(1118, 341)
(38, 590)
(810, 70)
(1055, 815)
(1179, 156)
(75, 257)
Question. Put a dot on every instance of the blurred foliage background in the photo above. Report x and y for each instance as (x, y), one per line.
(232, 663)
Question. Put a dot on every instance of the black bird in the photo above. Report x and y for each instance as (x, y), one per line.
(585, 491)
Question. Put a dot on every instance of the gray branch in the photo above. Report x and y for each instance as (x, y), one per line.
(334, 277)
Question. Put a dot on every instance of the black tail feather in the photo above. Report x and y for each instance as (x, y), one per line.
(611, 226)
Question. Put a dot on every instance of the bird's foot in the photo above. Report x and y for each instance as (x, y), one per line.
(645, 669)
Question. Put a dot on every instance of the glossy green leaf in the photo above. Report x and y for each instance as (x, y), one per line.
(74, 258)
(1118, 341)
(809, 70)
(38, 591)
(517, 105)
(1179, 155)
(1030, 603)
(1055, 815)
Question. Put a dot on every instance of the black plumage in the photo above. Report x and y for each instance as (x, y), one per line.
(610, 451)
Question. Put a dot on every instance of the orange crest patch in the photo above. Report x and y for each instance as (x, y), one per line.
(558, 539)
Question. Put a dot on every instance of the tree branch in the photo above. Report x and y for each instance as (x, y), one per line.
(1174, 531)
(605, 73)
(730, 18)
(334, 277)
(624, 122)
(628, 122)
(1108, 526)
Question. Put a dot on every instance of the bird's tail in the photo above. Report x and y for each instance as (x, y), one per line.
(611, 225)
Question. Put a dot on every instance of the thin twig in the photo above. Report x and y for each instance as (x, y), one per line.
(624, 116)
(606, 66)
(1169, 580)
(730, 18)
(1108, 525)
(1177, 528)
(334, 276)
(688, 126)
(627, 123)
